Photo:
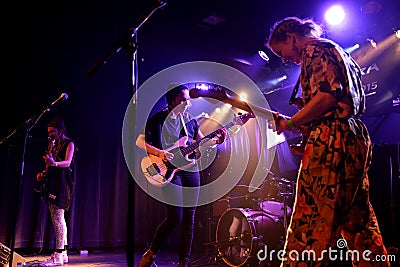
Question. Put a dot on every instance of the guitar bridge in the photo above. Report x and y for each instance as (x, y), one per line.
(153, 169)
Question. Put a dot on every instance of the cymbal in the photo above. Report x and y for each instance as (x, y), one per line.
(247, 186)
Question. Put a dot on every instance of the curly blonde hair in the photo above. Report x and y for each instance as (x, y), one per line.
(304, 27)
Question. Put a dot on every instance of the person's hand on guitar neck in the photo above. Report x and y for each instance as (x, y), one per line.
(221, 135)
(280, 124)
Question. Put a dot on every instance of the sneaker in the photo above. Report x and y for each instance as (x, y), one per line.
(55, 260)
(65, 256)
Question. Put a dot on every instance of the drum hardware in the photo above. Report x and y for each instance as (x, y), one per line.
(285, 213)
(213, 259)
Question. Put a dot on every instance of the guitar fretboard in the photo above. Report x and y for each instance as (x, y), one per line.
(190, 148)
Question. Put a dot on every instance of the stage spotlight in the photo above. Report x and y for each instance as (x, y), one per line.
(352, 48)
(203, 86)
(263, 55)
(226, 107)
(372, 42)
(284, 77)
(243, 96)
(277, 80)
(335, 15)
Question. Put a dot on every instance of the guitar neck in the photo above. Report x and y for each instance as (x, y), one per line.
(190, 148)
(193, 146)
(263, 112)
(235, 102)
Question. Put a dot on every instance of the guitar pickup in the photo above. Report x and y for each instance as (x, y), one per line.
(153, 169)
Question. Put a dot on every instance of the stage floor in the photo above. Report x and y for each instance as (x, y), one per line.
(117, 259)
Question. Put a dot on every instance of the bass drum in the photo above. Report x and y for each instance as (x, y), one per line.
(241, 233)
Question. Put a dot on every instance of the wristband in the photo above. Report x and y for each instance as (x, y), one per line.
(290, 124)
(56, 164)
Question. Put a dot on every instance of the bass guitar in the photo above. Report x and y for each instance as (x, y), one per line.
(222, 95)
(41, 181)
(159, 172)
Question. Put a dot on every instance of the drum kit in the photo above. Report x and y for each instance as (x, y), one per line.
(254, 220)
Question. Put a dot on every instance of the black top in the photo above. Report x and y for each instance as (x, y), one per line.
(61, 181)
(162, 131)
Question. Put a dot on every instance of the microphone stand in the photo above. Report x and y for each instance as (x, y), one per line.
(129, 40)
(30, 123)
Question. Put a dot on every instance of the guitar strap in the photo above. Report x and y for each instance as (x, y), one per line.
(295, 90)
(183, 124)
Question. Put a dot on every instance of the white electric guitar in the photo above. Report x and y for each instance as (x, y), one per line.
(160, 173)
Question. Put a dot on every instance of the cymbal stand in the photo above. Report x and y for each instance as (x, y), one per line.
(285, 209)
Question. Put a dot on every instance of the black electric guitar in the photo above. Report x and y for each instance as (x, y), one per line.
(160, 173)
(41, 181)
(222, 95)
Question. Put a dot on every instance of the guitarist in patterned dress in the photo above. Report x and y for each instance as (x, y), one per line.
(162, 130)
(332, 207)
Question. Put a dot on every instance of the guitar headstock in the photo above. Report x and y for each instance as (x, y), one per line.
(243, 118)
(215, 93)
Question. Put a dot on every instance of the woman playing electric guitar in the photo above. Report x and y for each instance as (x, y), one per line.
(40, 182)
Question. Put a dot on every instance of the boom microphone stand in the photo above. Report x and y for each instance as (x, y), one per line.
(129, 41)
(28, 125)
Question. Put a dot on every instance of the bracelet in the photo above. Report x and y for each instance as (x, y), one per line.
(290, 124)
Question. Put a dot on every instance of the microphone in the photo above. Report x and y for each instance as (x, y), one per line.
(161, 4)
(62, 97)
(263, 55)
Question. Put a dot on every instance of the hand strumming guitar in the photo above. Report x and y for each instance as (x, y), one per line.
(165, 155)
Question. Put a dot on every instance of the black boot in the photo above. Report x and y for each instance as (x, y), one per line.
(147, 259)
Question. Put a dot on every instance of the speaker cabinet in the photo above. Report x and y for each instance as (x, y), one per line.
(5, 254)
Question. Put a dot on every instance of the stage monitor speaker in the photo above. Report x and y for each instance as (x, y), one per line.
(5, 254)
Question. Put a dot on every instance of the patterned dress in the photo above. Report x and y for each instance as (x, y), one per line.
(333, 221)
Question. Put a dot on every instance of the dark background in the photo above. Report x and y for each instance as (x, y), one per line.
(48, 49)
